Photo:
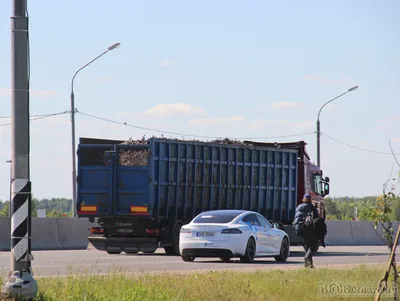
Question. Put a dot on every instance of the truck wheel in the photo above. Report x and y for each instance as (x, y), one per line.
(250, 251)
(187, 258)
(281, 226)
(174, 248)
(225, 259)
(113, 252)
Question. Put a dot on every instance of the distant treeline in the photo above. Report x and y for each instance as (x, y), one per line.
(55, 207)
(338, 208)
(342, 208)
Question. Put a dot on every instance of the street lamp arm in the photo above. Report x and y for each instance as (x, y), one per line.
(329, 102)
(72, 82)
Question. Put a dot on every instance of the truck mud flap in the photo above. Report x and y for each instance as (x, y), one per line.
(122, 244)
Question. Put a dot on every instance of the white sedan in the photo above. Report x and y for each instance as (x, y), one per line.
(232, 233)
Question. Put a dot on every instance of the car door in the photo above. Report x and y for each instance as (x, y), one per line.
(255, 226)
(272, 238)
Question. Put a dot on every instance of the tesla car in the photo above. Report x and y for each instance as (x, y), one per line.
(232, 233)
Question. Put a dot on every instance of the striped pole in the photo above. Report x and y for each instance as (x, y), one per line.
(20, 282)
(20, 224)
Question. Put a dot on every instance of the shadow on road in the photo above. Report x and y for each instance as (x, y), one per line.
(337, 254)
(255, 262)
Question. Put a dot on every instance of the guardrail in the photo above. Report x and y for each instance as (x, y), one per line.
(51, 233)
(72, 233)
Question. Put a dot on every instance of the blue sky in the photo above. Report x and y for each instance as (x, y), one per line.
(212, 68)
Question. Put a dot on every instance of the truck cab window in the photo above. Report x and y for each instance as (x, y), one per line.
(317, 184)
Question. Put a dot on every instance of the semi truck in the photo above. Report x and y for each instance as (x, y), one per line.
(138, 195)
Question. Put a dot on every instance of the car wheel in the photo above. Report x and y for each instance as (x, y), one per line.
(250, 251)
(284, 251)
(225, 259)
(187, 258)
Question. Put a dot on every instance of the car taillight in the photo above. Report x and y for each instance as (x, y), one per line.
(231, 231)
(96, 230)
(186, 230)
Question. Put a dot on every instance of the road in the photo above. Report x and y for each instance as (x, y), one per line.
(52, 263)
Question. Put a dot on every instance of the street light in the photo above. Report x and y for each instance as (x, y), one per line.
(318, 124)
(112, 47)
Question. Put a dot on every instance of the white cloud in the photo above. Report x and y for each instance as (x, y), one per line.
(35, 93)
(167, 63)
(175, 109)
(327, 82)
(283, 105)
(207, 121)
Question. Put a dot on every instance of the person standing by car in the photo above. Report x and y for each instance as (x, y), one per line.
(303, 222)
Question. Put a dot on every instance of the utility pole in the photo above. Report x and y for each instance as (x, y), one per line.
(20, 282)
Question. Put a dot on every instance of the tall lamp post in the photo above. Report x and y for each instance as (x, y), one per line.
(112, 47)
(318, 123)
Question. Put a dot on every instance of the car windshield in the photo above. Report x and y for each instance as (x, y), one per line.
(215, 217)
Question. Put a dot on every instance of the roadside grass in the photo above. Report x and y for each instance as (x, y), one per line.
(285, 285)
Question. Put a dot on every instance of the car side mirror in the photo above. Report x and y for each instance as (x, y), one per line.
(275, 225)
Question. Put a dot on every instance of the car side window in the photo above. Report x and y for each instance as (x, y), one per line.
(264, 222)
(252, 220)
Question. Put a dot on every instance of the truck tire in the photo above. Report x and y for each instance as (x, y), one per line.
(281, 226)
(173, 249)
(113, 252)
(187, 258)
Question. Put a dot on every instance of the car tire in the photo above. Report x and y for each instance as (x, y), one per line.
(225, 259)
(187, 258)
(250, 251)
(284, 251)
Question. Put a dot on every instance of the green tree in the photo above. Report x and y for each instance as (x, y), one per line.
(331, 209)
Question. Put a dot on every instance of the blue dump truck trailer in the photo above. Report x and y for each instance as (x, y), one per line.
(139, 194)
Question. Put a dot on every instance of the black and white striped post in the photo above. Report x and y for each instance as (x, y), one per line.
(20, 224)
(20, 282)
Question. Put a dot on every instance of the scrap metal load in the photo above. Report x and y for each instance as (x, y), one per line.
(136, 157)
(139, 157)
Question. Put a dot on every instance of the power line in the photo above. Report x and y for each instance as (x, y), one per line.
(359, 148)
(44, 116)
(40, 117)
(188, 135)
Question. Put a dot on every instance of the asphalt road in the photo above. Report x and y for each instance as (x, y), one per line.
(52, 263)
